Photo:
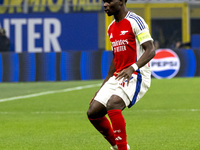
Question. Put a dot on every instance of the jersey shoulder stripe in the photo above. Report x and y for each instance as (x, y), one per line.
(137, 19)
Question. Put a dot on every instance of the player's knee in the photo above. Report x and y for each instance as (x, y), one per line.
(110, 105)
(96, 110)
(90, 114)
(115, 102)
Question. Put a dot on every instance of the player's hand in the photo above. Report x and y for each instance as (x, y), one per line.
(125, 74)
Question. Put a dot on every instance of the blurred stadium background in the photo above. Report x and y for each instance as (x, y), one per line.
(61, 40)
(64, 40)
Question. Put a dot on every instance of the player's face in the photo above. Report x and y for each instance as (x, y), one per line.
(111, 7)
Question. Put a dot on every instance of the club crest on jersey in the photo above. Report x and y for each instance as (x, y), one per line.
(123, 32)
(165, 64)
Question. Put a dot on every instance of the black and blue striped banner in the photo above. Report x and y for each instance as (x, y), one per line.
(64, 66)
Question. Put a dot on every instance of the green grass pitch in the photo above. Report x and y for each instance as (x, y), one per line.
(166, 118)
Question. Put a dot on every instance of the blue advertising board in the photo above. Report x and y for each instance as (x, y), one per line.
(88, 65)
(51, 32)
(188, 63)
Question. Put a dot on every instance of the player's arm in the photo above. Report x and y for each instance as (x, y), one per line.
(149, 53)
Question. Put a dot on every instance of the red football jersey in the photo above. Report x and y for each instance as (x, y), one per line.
(126, 37)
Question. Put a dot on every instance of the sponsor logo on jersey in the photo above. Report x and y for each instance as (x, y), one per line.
(165, 64)
(119, 45)
(119, 42)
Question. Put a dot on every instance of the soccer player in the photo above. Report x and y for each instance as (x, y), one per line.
(129, 76)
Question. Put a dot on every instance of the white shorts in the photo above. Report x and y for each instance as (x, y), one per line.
(130, 94)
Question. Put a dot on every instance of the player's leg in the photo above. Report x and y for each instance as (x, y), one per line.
(96, 114)
(115, 106)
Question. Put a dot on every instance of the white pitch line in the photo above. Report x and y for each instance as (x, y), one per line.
(81, 112)
(43, 112)
(49, 92)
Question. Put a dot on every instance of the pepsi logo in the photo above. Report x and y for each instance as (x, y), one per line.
(165, 64)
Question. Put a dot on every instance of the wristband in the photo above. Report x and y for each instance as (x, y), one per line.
(135, 67)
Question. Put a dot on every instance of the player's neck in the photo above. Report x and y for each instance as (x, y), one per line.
(121, 14)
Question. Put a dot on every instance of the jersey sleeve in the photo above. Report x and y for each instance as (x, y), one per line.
(140, 29)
